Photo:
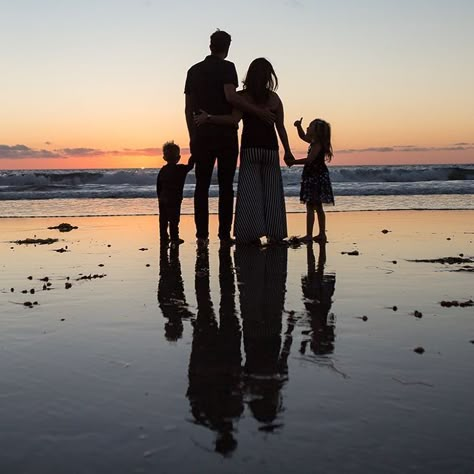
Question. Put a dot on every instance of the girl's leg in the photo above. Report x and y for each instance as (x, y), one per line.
(309, 221)
(321, 221)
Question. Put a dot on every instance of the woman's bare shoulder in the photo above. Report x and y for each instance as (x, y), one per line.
(274, 99)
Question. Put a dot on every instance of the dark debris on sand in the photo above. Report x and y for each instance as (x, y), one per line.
(353, 252)
(61, 250)
(63, 227)
(445, 260)
(91, 277)
(35, 241)
(455, 303)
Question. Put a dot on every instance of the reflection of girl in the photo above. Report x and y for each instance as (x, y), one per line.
(318, 290)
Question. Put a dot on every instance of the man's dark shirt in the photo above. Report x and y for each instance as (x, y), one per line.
(170, 182)
(205, 85)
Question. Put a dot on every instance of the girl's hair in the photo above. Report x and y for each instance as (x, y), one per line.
(322, 130)
(260, 80)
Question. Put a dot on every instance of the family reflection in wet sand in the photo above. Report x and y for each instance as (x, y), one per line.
(220, 383)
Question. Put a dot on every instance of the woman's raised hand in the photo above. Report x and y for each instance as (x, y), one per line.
(298, 122)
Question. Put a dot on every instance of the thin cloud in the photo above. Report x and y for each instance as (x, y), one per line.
(294, 3)
(22, 152)
(406, 149)
(81, 152)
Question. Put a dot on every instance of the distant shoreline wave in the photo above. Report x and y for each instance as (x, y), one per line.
(138, 183)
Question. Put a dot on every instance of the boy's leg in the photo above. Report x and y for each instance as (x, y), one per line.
(163, 221)
(174, 214)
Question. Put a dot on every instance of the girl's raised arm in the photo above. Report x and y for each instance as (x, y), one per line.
(301, 133)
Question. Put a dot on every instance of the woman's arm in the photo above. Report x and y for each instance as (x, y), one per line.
(238, 100)
(280, 126)
(313, 153)
(231, 119)
(300, 130)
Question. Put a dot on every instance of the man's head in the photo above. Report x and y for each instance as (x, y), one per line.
(220, 43)
(171, 152)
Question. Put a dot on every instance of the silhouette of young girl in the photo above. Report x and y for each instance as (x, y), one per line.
(316, 186)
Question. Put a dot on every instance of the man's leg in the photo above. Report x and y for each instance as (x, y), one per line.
(226, 164)
(203, 172)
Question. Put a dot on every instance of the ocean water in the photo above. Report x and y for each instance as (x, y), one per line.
(68, 193)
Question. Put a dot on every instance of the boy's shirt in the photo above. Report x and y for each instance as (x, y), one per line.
(170, 181)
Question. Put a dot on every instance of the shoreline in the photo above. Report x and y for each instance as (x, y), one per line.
(327, 211)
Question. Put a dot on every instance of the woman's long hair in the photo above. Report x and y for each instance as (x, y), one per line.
(260, 80)
(323, 137)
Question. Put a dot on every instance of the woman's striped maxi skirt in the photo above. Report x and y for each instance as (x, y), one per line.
(260, 209)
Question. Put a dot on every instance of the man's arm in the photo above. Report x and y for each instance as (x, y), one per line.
(239, 102)
(232, 119)
(188, 111)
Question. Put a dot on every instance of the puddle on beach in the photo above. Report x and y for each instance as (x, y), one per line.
(233, 359)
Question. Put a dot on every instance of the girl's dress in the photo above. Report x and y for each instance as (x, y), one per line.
(315, 182)
(260, 208)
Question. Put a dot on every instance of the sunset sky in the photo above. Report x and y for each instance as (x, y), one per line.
(99, 83)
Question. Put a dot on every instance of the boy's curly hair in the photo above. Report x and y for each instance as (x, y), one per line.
(171, 150)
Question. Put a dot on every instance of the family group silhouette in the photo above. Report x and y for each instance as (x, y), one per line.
(213, 110)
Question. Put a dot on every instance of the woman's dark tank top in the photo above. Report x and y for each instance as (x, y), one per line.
(258, 134)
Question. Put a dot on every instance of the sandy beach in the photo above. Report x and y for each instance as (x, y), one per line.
(117, 356)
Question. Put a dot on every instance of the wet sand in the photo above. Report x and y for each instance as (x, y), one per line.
(131, 359)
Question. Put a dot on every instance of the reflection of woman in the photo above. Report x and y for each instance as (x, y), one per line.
(171, 298)
(318, 290)
(214, 390)
(262, 279)
(260, 209)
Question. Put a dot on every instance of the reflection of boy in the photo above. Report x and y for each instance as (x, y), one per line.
(169, 189)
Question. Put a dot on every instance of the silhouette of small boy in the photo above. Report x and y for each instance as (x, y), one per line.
(169, 189)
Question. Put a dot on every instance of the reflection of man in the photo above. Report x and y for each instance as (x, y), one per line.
(214, 391)
(211, 86)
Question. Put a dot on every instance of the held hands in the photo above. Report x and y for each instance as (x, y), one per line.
(298, 122)
(289, 159)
